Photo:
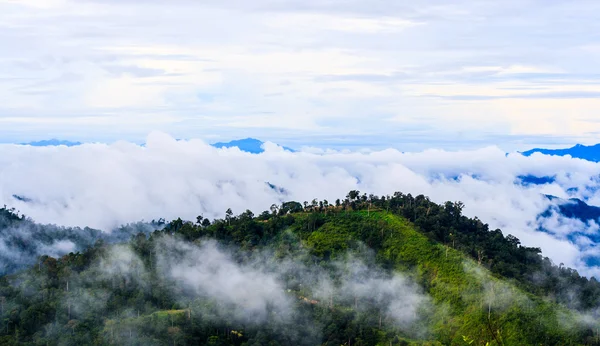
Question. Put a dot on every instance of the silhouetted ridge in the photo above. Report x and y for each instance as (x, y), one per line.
(579, 151)
(52, 142)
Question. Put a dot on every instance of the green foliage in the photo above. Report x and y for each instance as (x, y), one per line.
(478, 282)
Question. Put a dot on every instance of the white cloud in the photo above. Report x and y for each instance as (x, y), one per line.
(208, 270)
(103, 186)
(194, 68)
(319, 22)
(41, 4)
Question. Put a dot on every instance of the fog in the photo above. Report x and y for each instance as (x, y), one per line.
(251, 289)
(263, 288)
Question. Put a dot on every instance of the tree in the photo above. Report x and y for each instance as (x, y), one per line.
(72, 324)
(290, 207)
(513, 241)
(228, 215)
(174, 332)
(353, 195)
(274, 209)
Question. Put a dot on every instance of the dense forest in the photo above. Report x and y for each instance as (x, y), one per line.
(22, 240)
(364, 270)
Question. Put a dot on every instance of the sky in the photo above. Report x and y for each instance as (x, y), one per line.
(336, 74)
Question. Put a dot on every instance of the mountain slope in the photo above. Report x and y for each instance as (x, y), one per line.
(575, 208)
(357, 273)
(22, 241)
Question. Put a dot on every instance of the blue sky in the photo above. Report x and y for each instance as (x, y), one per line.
(404, 74)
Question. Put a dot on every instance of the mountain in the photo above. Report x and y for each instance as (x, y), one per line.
(250, 145)
(575, 208)
(52, 142)
(579, 151)
(529, 179)
(366, 270)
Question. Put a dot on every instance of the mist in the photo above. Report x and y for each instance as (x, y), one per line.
(22, 241)
(229, 286)
(262, 285)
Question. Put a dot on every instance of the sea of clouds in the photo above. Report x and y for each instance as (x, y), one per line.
(107, 185)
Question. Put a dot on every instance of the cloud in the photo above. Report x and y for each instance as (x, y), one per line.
(344, 23)
(359, 283)
(541, 95)
(320, 63)
(106, 185)
(206, 270)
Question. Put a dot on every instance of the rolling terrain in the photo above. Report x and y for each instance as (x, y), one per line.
(365, 270)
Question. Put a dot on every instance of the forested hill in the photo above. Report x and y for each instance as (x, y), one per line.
(22, 241)
(366, 270)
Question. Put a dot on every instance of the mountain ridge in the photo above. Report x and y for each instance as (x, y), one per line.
(579, 151)
(52, 142)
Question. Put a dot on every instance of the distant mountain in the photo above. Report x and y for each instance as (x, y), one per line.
(250, 145)
(530, 179)
(52, 142)
(590, 153)
(575, 208)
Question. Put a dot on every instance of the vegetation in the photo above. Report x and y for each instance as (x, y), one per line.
(472, 285)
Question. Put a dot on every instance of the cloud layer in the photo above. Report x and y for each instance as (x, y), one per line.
(512, 73)
(104, 186)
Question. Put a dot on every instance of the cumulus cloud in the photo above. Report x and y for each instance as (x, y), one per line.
(106, 185)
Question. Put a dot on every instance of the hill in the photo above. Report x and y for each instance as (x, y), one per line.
(579, 151)
(365, 270)
(574, 208)
(22, 241)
